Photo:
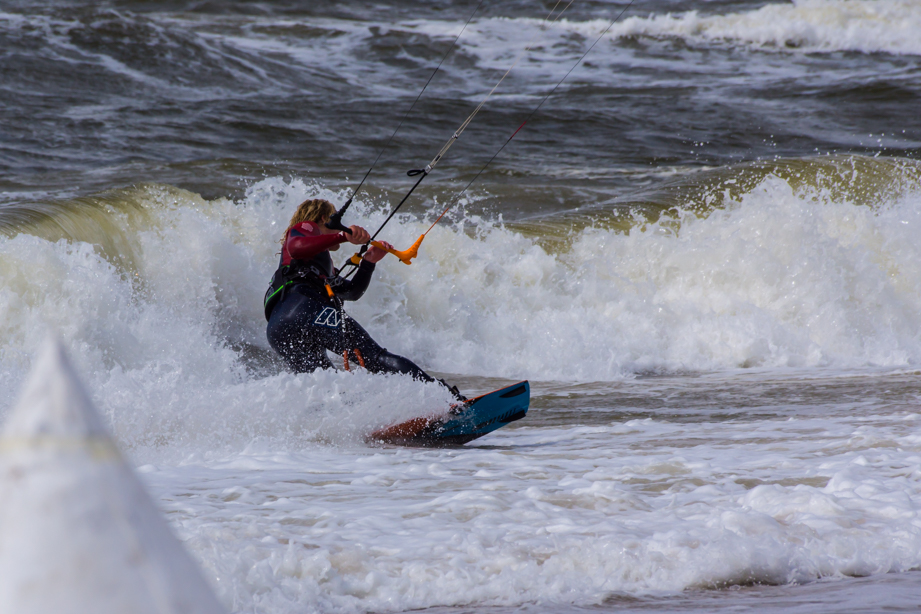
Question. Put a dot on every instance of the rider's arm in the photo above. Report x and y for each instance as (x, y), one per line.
(305, 241)
(353, 289)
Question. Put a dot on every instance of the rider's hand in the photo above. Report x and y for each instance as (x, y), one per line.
(359, 235)
(374, 254)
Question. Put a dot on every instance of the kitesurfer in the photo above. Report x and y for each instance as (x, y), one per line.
(303, 304)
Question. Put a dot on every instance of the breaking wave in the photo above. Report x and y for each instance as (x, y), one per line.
(158, 291)
(868, 26)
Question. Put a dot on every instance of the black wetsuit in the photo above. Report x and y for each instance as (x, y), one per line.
(305, 322)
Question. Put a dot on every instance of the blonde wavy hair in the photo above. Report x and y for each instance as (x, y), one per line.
(317, 210)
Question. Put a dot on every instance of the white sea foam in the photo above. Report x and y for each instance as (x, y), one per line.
(783, 278)
(869, 26)
(554, 515)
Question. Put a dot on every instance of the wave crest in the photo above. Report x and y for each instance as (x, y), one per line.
(868, 26)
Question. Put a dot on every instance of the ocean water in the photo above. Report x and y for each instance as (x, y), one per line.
(703, 252)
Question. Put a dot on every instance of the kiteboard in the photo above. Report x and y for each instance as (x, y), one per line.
(460, 423)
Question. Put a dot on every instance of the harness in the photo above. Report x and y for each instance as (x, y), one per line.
(298, 272)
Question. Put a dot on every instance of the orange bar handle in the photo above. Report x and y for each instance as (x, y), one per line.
(406, 256)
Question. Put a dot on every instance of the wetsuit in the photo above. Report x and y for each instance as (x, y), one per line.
(305, 321)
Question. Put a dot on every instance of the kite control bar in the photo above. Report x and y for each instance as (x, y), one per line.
(405, 256)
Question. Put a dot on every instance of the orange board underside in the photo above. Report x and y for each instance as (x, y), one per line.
(404, 430)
